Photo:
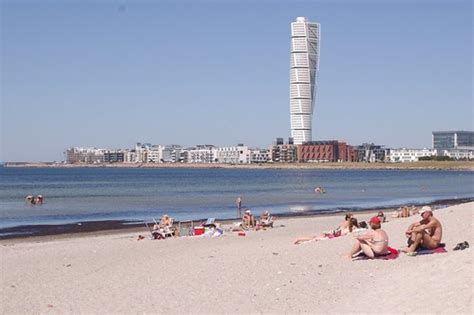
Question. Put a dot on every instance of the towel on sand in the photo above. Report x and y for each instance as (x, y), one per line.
(438, 250)
(391, 254)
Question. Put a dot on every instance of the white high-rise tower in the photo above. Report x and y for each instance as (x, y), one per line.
(304, 66)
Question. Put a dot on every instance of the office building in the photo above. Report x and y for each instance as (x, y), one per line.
(304, 66)
(444, 140)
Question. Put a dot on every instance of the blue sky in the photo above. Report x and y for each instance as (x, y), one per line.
(112, 73)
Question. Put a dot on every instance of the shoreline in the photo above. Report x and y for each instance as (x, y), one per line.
(105, 227)
(420, 165)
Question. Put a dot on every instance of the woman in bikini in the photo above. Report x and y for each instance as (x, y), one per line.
(374, 243)
(352, 225)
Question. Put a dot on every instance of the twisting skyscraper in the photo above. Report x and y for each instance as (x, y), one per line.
(304, 65)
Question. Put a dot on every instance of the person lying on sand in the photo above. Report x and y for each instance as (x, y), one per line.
(353, 226)
(372, 243)
(427, 233)
(345, 224)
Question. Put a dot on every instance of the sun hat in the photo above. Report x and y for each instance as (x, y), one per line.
(425, 209)
(374, 220)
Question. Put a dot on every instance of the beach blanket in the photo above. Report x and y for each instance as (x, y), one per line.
(437, 250)
(392, 254)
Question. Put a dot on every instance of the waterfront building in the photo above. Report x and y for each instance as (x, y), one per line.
(259, 156)
(443, 140)
(153, 154)
(457, 154)
(141, 152)
(282, 153)
(172, 153)
(304, 66)
(201, 154)
(369, 152)
(325, 151)
(114, 156)
(409, 155)
(239, 154)
(77, 155)
(129, 156)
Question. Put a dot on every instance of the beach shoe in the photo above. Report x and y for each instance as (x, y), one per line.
(411, 254)
(466, 244)
(460, 246)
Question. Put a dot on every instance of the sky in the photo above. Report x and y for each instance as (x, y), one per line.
(108, 74)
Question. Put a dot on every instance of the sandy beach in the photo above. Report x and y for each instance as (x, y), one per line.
(262, 272)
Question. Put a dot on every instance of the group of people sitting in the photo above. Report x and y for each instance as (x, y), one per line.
(32, 200)
(249, 222)
(404, 212)
(426, 233)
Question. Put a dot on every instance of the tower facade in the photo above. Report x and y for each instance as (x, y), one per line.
(304, 66)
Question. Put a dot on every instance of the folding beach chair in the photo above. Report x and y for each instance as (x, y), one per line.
(154, 234)
(186, 229)
(166, 230)
(210, 222)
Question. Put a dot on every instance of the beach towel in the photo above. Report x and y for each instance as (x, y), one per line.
(437, 250)
(392, 254)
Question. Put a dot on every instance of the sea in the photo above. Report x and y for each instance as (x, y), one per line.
(74, 195)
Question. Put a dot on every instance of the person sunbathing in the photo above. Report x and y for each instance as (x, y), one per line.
(265, 219)
(165, 221)
(352, 227)
(381, 216)
(426, 234)
(248, 220)
(401, 213)
(373, 243)
(165, 226)
(345, 224)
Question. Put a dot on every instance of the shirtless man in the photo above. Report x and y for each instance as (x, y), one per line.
(372, 243)
(427, 233)
(248, 220)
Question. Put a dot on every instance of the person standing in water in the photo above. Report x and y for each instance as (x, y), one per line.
(238, 203)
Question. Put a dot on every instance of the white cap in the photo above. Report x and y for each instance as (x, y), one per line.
(425, 209)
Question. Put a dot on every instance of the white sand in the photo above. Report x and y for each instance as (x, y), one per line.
(262, 272)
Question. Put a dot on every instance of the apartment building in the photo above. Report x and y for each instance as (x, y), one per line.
(409, 155)
(325, 151)
(239, 154)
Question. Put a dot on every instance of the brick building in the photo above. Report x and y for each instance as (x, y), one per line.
(325, 151)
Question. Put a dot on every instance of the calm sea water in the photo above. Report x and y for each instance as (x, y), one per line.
(90, 194)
